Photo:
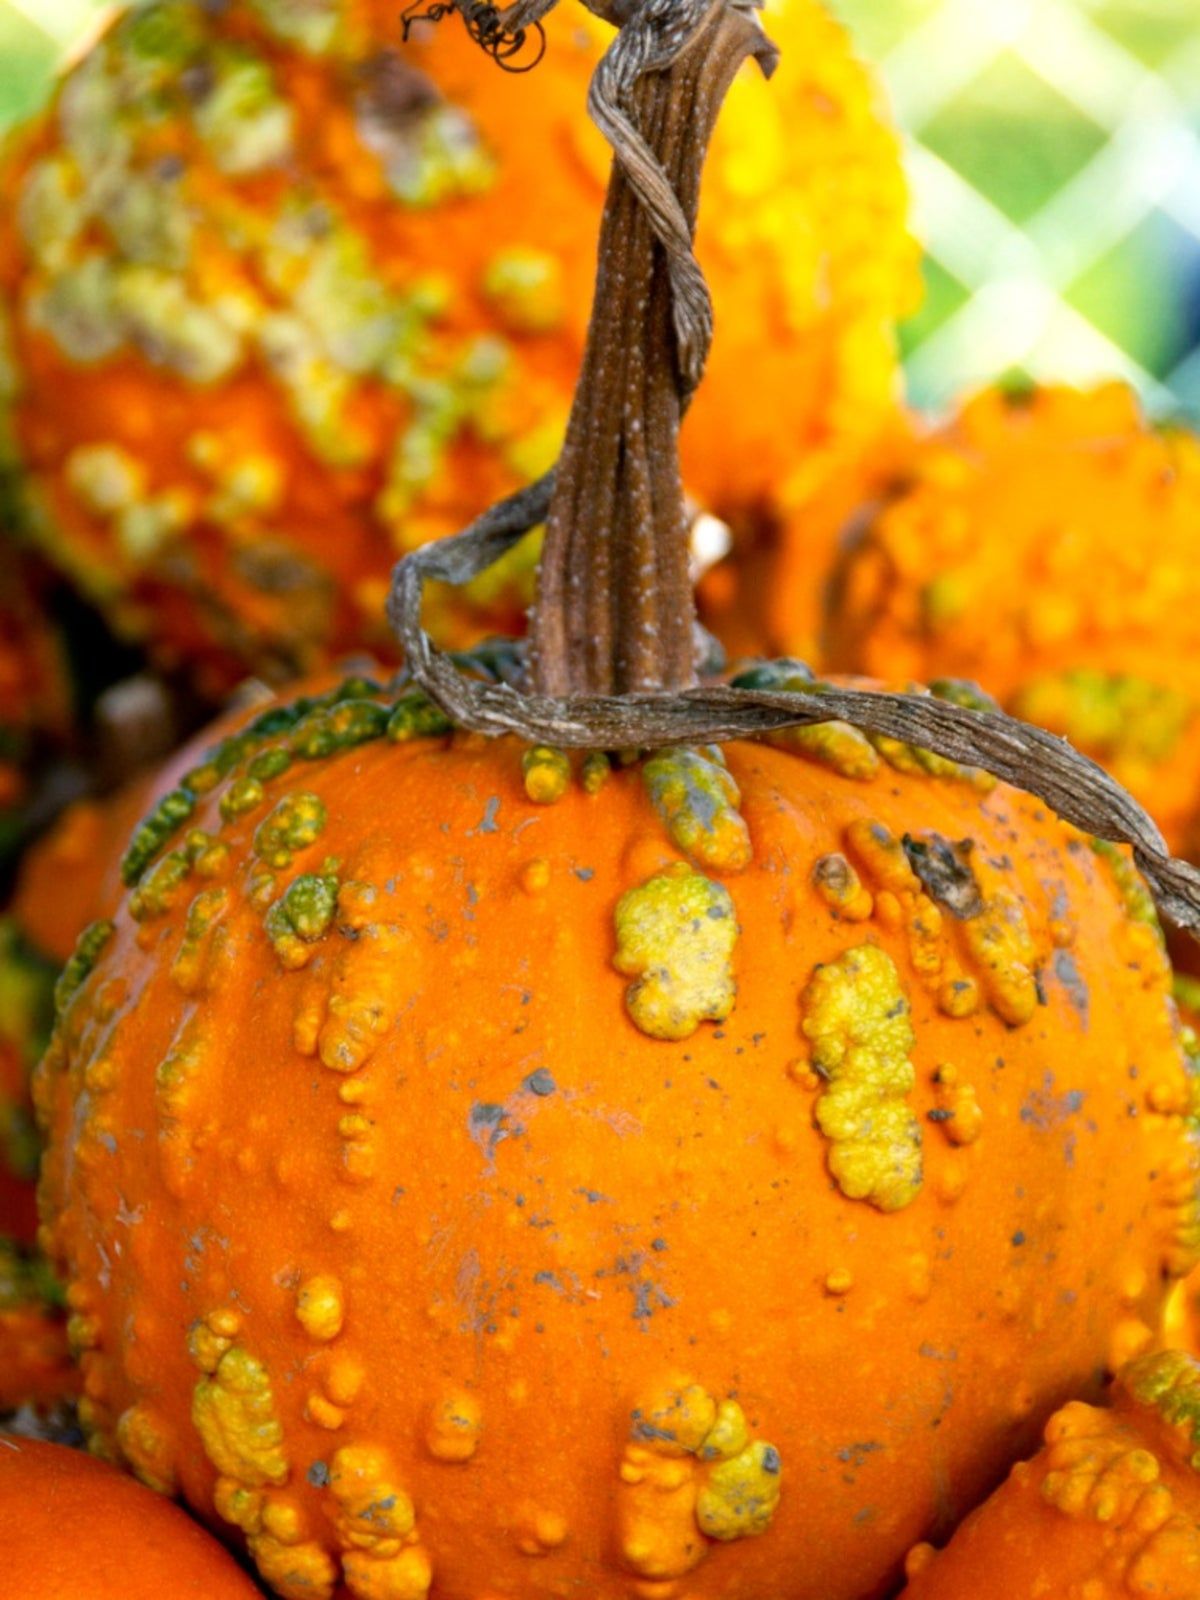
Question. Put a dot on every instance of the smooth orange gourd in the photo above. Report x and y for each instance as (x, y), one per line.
(35, 1363)
(78, 1528)
(662, 1179)
(1044, 544)
(1109, 1509)
(65, 880)
(285, 302)
(773, 589)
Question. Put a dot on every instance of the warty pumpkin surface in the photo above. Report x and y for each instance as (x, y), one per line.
(1043, 544)
(282, 307)
(68, 878)
(1109, 1509)
(466, 1195)
(75, 1527)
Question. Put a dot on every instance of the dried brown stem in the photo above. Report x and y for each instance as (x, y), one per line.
(615, 612)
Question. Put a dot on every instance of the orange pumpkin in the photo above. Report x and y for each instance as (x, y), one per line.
(1109, 1508)
(1180, 1327)
(279, 310)
(79, 1528)
(453, 1183)
(1044, 545)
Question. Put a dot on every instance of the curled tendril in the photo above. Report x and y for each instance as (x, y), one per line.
(487, 26)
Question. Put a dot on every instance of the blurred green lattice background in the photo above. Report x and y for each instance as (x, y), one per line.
(1055, 161)
(1054, 154)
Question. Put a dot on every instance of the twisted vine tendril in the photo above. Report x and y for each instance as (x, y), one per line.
(488, 26)
(1028, 758)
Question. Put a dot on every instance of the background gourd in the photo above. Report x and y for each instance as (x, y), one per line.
(77, 1527)
(1043, 544)
(280, 308)
(1109, 1507)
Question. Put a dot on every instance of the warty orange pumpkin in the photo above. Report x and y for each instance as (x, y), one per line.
(279, 312)
(68, 879)
(1108, 1509)
(371, 1086)
(480, 1172)
(1043, 544)
(76, 1528)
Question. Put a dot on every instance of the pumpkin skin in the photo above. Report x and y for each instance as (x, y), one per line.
(1043, 544)
(1110, 1507)
(444, 1214)
(257, 357)
(85, 1529)
(67, 879)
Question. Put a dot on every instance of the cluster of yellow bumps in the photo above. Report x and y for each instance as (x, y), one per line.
(282, 299)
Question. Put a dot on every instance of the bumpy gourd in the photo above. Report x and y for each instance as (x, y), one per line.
(668, 1185)
(76, 1527)
(1108, 1510)
(279, 310)
(68, 878)
(1044, 544)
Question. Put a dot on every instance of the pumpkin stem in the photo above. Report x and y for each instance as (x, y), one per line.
(614, 610)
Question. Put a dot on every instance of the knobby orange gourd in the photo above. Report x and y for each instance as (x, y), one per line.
(479, 1172)
(76, 1527)
(1043, 544)
(370, 1082)
(1110, 1507)
(286, 302)
(68, 878)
